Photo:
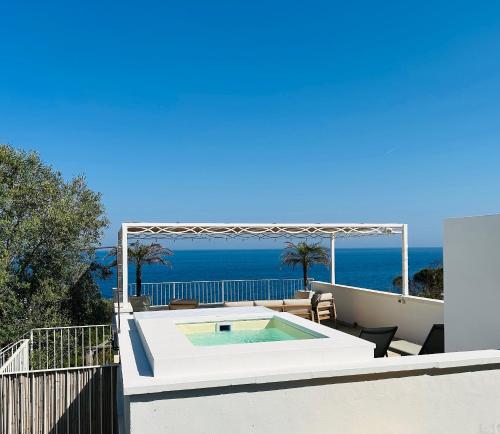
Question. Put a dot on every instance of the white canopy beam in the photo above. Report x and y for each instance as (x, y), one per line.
(258, 230)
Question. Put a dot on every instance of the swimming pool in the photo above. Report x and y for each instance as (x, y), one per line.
(230, 341)
(244, 332)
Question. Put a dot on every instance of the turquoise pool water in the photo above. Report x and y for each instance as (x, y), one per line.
(269, 334)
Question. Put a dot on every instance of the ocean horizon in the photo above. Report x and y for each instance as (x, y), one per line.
(373, 268)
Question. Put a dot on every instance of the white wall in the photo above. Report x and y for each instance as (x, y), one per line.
(414, 316)
(450, 403)
(472, 283)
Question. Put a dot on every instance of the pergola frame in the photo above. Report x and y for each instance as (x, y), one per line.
(329, 231)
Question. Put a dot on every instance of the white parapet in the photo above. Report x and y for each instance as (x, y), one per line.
(414, 316)
(414, 394)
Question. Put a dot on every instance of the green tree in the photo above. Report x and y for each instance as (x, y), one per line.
(305, 254)
(49, 229)
(144, 254)
(427, 282)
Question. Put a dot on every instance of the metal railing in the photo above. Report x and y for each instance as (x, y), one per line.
(59, 380)
(59, 348)
(15, 357)
(7, 351)
(219, 291)
(71, 347)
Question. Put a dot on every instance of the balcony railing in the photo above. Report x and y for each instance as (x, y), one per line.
(59, 348)
(15, 357)
(59, 380)
(219, 291)
(74, 346)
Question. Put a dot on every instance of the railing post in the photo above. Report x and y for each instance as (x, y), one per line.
(222, 291)
(173, 291)
(268, 289)
(31, 343)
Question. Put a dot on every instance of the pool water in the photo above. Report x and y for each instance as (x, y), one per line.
(246, 332)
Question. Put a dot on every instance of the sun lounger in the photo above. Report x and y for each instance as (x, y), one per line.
(270, 304)
(177, 304)
(381, 337)
(238, 303)
(434, 343)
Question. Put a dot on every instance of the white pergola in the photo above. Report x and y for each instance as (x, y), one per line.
(330, 231)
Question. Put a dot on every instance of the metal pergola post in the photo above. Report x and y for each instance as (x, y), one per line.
(404, 274)
(332, 260)
(122, 266)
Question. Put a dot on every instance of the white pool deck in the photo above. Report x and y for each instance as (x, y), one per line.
(171, 354)
(186, 367)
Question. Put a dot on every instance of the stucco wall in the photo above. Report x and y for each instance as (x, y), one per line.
(414, 316)
(452, 403)
(472, 283)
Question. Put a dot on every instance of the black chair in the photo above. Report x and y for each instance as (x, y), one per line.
(381, 336)
(434, 342)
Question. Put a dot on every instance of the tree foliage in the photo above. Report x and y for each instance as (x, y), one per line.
(427, 282)
(305, 254)
(49, 229)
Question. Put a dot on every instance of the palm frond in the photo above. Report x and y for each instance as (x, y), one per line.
(138, 253)
(151, 261)
(306, 255)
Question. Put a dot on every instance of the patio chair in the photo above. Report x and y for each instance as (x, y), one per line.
(381, 337)
(434, 342)
(140, 304)
(299, 307)
(276, 305)
(303, 294)
(323, 306)
(178, 304)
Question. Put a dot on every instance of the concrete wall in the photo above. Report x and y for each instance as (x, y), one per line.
(414, 316)
(426, 403)
(472, 283)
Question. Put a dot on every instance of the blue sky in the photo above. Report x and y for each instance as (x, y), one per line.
(262, 111)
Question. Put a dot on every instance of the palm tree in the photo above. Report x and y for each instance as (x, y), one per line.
(144, 254)
(305, 254)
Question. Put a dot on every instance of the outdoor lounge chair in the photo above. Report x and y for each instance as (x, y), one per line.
(323, 306)
(381, 336)
(238, 303)
(178, 304)
(270, 304)
(299, 307)
(434, 342)
(140, 303)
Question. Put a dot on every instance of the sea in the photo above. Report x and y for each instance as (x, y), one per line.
(373, 268)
